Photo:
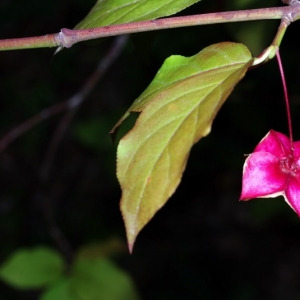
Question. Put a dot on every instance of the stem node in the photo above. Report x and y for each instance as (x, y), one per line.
(65, 38)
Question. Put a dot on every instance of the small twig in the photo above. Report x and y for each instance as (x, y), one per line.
(68, 37)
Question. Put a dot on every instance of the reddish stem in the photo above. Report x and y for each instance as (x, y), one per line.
(67, 37)
(286, 97)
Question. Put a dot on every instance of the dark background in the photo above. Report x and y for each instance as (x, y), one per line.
(204, 243)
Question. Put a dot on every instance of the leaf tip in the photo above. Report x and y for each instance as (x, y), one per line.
(130, 247)
(131, 234)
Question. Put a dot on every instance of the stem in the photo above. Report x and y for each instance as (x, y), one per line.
(48, 40)
(285, 22)
(67, 37)
(286, 97)
(271, 51)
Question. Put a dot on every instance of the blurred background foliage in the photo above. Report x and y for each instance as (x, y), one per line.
(203, 244)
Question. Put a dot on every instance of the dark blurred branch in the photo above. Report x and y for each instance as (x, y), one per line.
(79, 98)
(71, 103)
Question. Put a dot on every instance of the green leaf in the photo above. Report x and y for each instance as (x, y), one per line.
(177, 109)
(32, 268)
(100, 279)
(59, 291)
(108, 12)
